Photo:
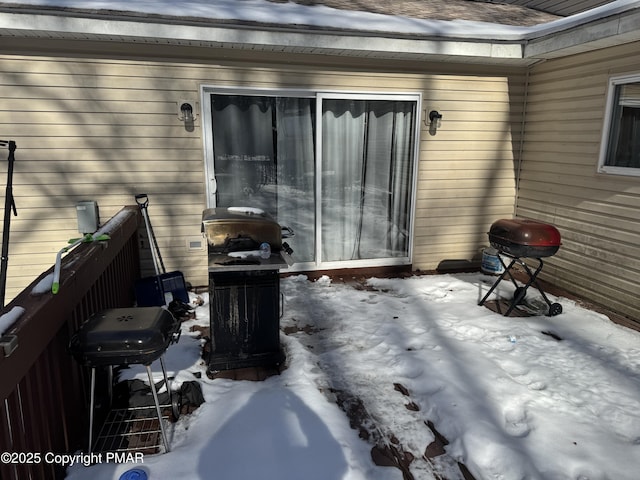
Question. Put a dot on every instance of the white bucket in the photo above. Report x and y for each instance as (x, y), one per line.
(491, 264)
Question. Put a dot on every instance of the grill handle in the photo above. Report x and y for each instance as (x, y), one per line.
(287, 232)
(281, 305)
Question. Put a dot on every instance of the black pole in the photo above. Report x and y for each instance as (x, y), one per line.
(143, 202)
(9, 206)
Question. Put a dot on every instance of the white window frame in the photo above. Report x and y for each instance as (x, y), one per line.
(614, 82)
(319, 95)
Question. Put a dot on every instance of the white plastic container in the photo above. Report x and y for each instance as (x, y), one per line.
(491, 264)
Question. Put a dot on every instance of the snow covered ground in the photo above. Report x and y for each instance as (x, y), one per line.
(399, 355)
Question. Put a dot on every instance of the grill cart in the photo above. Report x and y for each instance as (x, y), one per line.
(245, 254)
(126, 336)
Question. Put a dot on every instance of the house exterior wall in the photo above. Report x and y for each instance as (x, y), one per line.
(92, 124)
(598, 215)
(467, 170)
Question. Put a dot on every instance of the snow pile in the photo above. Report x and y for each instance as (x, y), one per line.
(43, 286)
(9, 318)
(545, 398)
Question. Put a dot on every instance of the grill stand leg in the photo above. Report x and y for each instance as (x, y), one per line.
(91, 405)
(507, 271)
(164, 374)
(534, 281)
(523, 291)
(554, 308)
(155, 399)
(92, 401)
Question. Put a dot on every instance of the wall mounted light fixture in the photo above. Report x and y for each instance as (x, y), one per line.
(435, 120)
(186, 112)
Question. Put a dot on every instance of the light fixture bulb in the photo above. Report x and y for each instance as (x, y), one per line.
(187, 112)
(435, 118)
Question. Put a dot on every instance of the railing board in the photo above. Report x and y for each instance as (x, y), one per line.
(43, 389)
(46, 313)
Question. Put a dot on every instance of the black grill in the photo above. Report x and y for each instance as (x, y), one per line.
(244, 288)
(124, 336)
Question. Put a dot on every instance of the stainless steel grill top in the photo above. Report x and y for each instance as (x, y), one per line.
(234, 236)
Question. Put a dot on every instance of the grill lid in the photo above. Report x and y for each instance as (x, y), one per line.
(124, 336)
(524, 238)
(235, 229)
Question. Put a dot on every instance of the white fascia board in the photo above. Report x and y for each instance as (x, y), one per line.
(608, 31)
(358, 44)
(372, 45)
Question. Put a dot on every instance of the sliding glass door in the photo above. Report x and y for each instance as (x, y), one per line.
(264, 157)
(338, 169)
(367, 174)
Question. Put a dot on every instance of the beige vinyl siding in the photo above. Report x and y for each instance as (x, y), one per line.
(467, 170)
(99, 130)
(105, 129)
(598, 215)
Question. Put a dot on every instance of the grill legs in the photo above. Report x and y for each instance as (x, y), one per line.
(91, 406)
(155, 400)
(520, 292)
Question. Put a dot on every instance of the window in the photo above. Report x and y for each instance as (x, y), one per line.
(263, 156)
(620, 153)
(339, 169)
(367, 159)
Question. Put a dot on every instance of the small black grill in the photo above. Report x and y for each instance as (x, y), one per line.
(126, 336)
(517, 239)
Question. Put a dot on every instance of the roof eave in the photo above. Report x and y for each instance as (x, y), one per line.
(263, 37)
(614, 30)
(439, 46)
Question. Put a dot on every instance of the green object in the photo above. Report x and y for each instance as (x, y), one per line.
(88, 238)
(74, 242)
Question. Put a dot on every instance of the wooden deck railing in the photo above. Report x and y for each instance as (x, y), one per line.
(42, 388)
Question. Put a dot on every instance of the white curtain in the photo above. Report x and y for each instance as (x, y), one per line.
(343, 150)
(295, 120)
(366, 182)
(264, 158)
(244, 163)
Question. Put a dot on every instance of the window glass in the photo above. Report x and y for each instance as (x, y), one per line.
(623, 142)
(366, 178)
(359, 208)
(264, 157)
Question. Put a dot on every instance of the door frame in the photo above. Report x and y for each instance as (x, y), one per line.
(319, 95)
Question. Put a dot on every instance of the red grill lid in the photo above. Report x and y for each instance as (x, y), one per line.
(524, 238)
(526, 232)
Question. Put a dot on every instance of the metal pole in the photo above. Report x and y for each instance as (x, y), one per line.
(9, 205)
(158, 411)
(91, 407)
(143, 203)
